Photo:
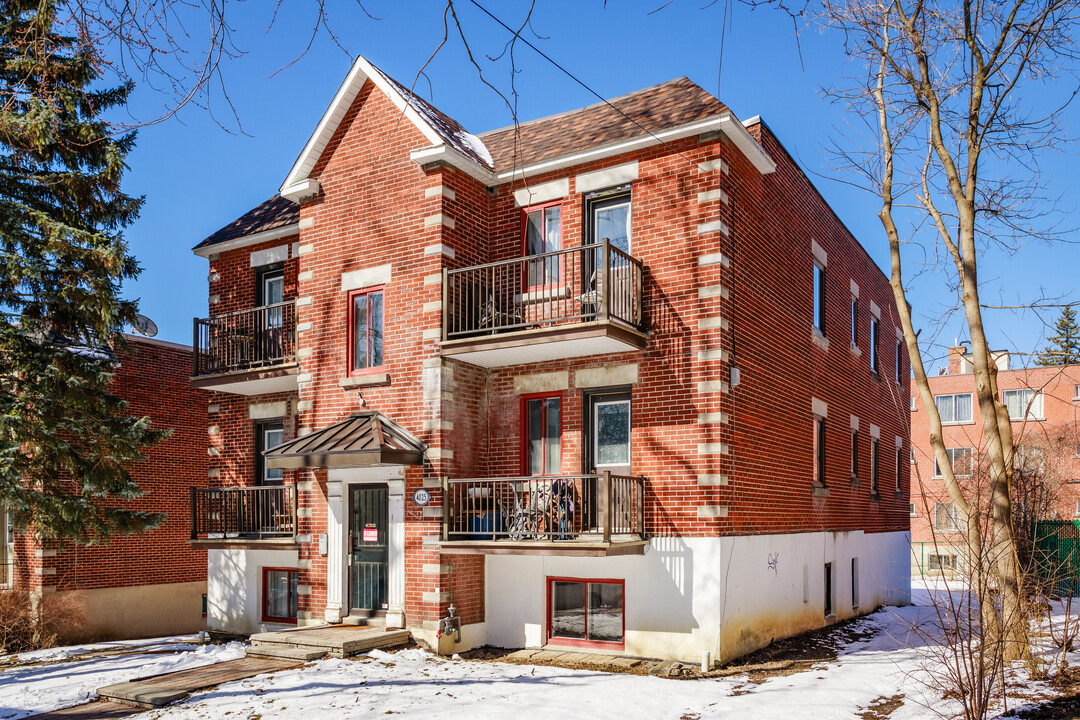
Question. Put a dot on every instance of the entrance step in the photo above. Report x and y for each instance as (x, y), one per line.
(338, 640)
(360, 620)
(285, 652)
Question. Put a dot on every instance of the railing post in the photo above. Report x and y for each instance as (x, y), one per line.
(295, 502)
(602, 279)
(445, 482)
(605, 492)
(194, 534)
(445, 301)
(641, 506)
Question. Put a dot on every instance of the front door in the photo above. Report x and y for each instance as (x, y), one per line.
(368, 547)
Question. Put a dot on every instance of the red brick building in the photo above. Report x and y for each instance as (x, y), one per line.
(570, 378)
(139, 585)
(1047, 441)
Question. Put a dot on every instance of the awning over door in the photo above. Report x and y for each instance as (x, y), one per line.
(366, 438)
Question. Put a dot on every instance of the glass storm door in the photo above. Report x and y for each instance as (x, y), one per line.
(368, 532)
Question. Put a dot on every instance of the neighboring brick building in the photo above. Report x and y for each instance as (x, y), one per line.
(1048, 449)
(538, 331)
(138, 585)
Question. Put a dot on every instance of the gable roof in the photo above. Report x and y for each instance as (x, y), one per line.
(438, 128)
(273, 214)
(668, 105)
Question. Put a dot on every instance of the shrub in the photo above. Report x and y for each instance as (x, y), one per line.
(32, 622)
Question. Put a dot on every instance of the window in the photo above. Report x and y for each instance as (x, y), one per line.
(1076, 510)
(1076, 392)
(268, 435)
(1076, 449)
(945, 518)
(874, 465)
(279, 595)
(543, 232)
(954, 408)
(819, 452)
(911, 510)
(912, 403)
(1017, 402)
(828, 589)
(854, 321)
(610, 430)
(365, 330)
(609, 218)
(899, 363)
(959, 458)
(585, 611)
(854, 454)
(270, 285)
(942, 562)
(542, 436)
(875, 325)
(899, 469)
(854, 583)
(819, 298)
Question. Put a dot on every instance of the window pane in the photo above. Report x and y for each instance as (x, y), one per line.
(819, 297)
(375, 326)
(605, 612)
(281, 593)
(854, 321)
(360, 332)
(534, 419)
(613, 223)
(272, 437)
(534, 234)
(568, 610)
(613, 433)
(273, 290)
(552, 449)
(551, 229)
(963, 407)
(945, 408)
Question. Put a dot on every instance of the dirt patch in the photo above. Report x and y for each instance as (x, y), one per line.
(882, 707)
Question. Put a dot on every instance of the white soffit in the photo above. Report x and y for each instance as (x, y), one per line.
(361, 72)
(247, 240)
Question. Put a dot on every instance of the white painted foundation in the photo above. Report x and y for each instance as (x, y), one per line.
(728, 596)
(234, 585)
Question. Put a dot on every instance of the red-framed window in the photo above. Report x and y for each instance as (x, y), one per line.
(541, 232)
(365, 330)
(586, 611)
(541, 434)
(279, 594)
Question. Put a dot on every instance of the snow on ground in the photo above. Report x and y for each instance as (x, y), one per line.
(889, 661)
(68, 676)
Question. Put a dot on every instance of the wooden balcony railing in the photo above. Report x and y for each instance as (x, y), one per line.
(245, 340)
(590, 283)
(568, 507)
(253, 513)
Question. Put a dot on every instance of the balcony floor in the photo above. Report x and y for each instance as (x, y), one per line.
(619, 545)
(260, 381)
(547, 343)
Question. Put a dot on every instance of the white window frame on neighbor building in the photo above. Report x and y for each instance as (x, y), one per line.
(955, 454)
(950, 510)
(819, 298)
(1076, 392)
(955, 402)
(1023, 399)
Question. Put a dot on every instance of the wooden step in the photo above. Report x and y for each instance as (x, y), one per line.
(285, 652)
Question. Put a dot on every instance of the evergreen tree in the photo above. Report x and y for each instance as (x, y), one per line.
(1064, 347)
(65, 444)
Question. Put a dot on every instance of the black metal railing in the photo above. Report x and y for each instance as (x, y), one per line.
(245, 340)
(566, 507)
(590, 283)
(243, 512)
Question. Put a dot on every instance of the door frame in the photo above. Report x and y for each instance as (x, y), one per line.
(348, 607)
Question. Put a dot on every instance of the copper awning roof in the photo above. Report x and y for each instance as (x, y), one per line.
(366, 438)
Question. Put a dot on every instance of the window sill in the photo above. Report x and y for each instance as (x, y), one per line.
(856, 482)
(875, 376)
(899, 493)
(819, 491)
(855, 350)
(875, 496)
(353, 381)
(819, 339)
(961, 422)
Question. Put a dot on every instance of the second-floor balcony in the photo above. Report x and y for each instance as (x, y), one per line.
(230, 516)
(569, 303)
(584, 515)
(247, 352)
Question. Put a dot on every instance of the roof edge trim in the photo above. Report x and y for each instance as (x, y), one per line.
(444, 153)
(240, 242)
(750, 147)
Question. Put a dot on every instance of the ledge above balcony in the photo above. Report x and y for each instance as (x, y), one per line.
(280, 378)
(545, 343)
(631, 545)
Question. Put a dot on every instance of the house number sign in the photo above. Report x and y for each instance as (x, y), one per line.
(421, 497)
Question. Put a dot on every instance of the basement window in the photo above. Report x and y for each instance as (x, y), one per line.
(279, 595)
(585, 612)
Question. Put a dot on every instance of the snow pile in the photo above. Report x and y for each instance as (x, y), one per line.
(27, 690)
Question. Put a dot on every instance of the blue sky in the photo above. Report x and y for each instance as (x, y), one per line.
(197, 176)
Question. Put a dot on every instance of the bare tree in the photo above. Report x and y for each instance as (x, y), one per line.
(953, 152)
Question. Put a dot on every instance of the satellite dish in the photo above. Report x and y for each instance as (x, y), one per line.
(144, 325)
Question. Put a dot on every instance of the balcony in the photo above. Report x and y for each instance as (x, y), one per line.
(579, 515)
(259, 517)
(249, 352)
(564, 304)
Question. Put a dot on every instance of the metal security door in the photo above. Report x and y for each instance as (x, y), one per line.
(369, 520)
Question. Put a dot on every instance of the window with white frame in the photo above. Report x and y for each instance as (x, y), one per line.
(959, 458)
(954, 408)
(1076, 392)
(875, 327)
(945, 518)
(942, 562)
(819, 298)
(911, 510)
(1023, 400)
(912, 403)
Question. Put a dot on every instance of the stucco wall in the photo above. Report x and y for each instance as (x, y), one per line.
(234, 587)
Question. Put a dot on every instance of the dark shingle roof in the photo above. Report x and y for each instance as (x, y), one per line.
(671, 104)
(277, 212)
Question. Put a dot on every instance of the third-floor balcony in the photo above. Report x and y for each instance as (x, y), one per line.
(569, 303)
(248, 352)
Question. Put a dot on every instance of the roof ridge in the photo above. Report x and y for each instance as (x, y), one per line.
(602, 103)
